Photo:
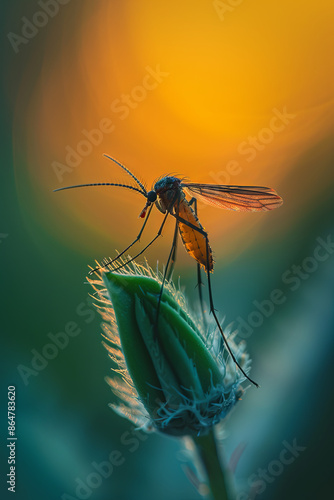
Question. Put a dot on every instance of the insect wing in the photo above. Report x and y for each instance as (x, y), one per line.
(239, 198)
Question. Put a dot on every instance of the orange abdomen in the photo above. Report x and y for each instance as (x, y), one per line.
(193, 241)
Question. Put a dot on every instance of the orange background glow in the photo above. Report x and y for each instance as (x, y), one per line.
(223, 75)
(243, 97)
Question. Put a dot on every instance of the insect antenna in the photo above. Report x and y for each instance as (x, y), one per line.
(140, 184)
(133, 188)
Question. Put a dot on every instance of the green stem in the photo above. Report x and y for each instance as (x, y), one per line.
(207, 450)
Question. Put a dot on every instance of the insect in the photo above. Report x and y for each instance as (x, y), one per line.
(169, 196)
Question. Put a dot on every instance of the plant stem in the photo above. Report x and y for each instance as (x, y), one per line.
(207, 450)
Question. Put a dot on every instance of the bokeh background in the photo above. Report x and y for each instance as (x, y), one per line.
(190, 88)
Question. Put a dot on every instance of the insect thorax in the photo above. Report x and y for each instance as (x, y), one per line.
(168, 190)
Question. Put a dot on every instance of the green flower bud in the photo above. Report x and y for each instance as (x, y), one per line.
(177, 377)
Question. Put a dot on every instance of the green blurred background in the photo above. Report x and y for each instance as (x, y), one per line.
(226, 69)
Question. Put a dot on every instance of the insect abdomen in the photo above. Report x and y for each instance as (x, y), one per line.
(193, 241)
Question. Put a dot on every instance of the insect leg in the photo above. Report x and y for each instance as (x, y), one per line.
(212, 309)
(147, 246)
(170, 257)
(193, 201)
(168, 212)
(127, 248)
(173, 258)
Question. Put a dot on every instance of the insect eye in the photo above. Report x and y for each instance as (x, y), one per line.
(151, 196)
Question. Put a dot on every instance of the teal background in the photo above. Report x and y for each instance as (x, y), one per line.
(63, 420)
